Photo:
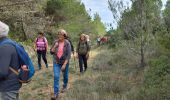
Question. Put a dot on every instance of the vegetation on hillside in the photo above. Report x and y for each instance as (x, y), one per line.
(145, 32)
(26, 18)
(135, 65)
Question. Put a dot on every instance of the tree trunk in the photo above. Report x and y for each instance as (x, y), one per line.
(23, 29)
(142, 54)
(142, 23)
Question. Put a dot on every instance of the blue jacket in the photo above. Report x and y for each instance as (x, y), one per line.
(8, 57)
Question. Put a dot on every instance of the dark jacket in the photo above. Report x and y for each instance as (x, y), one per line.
(83, 45)
(66, 53)
(71, 44)
(8, 57)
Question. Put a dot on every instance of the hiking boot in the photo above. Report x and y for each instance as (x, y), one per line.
(64, 90)
(46, 65)
(85, 70)
(54, 97)
(39, 67)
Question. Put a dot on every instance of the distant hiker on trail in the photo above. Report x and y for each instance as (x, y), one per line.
(88, 39)
(41, 46)
(98, 41)
(61, 51)
(10, 63)
(83, 49)
(104, 40)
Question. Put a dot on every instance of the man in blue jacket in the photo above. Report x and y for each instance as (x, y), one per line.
(9, 83)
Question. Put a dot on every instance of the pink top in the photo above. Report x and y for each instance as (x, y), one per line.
(41, 43)
(60, 49)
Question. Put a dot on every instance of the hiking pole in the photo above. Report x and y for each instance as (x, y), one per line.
(75, 64)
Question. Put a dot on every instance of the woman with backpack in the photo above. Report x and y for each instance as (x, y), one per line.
(83, 49)
(41, 46)
(61, 51)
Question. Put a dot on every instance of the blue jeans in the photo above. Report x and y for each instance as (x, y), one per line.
(57, 69)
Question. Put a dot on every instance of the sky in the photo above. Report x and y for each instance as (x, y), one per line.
(101, 7)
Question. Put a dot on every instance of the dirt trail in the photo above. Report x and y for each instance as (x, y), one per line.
(42, 82)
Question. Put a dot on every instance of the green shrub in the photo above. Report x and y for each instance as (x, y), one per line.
(156, 82)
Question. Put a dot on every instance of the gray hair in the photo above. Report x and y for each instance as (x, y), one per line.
(4, 29)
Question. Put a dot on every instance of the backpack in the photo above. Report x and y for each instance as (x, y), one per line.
(23, 76)
(83, 51)
(72, 47)
(37, 40)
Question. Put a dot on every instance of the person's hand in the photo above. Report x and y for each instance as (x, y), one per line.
(87, 55)
(24, 67)
(63, 67)
(35, 49)
(76, 55)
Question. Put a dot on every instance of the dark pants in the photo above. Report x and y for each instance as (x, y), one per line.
(43, 54)
(98, 43)
(11, 95)
(82, 61)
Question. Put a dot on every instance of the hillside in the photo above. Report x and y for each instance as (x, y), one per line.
(105, 79)
(133, 64)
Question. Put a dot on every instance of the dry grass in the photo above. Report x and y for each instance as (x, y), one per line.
(111, 75)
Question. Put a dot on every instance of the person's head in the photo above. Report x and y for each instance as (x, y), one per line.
(4, 29)
(87, 38)
(62, 34)
(82, 37)
(40, 34)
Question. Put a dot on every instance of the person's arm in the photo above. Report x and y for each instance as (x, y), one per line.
(52, 50)
(88, 47)
(35, 44)
(88, 50)
(46, 42)
(5, 59)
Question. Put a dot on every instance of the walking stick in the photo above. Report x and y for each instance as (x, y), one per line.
(75, 63)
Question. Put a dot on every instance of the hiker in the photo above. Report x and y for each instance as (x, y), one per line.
(83, 49)
(104, 40)
(9, 83)
(41, 46)
(88, 39)
(98, 41)
(61, 50)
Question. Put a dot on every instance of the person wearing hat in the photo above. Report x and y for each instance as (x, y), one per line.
(61, 50)
(41, 46)
(9, 83)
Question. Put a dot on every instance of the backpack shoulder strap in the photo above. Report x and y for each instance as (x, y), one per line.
(44, 39)
(37, 39)
(6, 41)
(14, 71)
